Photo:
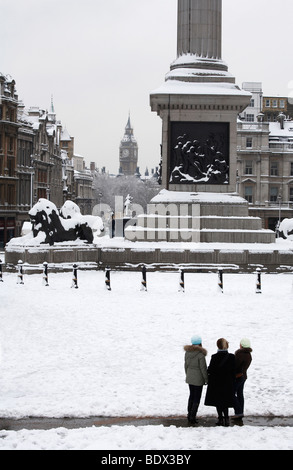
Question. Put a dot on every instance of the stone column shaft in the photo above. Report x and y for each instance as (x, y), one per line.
(200, 28)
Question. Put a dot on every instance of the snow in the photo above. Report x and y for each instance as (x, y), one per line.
(276, 130)
(93, 352)
(166, 196)
(178, 87)
(286, 227)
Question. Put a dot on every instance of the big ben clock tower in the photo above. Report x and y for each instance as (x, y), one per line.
(128, 152)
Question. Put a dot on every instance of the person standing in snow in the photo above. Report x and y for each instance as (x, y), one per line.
(221, 378)
(196, 375)
(243, 360)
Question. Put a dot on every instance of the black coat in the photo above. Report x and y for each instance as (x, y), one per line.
(221, 376)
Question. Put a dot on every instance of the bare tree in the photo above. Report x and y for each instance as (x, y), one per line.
(107, 187)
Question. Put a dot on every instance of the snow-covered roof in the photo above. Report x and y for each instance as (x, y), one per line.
(277, 131)
(65, 137)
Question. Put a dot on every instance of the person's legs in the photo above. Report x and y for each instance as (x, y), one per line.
(193, 402)
(239, 397)
(220, 416)
(226, 416)
(223, 416)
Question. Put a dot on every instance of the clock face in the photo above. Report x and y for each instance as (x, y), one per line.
(125, 153)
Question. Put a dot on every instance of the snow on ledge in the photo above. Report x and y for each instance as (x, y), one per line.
(166, 196)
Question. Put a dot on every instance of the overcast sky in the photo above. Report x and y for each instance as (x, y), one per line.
(101, 59)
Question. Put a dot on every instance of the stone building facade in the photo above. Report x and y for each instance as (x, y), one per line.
(83, 181)
(36, 161)
(8, 158)
(265, 169)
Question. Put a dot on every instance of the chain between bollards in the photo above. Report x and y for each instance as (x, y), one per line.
(181, 288)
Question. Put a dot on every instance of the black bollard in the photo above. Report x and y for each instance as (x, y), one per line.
(107, 279)
(20, 272)
(181, 282)
(220, 282)
(74, 278)
(1, 273)
(258, 281)
(143, 281)
(45, 274)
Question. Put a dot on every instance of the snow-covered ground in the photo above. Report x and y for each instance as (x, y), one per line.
(93, 352)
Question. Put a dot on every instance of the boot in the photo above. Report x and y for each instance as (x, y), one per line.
(220, 421)
(192, 415)
(226, 417)
(189, 407)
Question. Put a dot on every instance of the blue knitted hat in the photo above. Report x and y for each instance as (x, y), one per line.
(195, 340)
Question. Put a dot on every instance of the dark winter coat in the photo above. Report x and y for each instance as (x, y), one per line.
(221, 378)
(195, 365)
(242, 361)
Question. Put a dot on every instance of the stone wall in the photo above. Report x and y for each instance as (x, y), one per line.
(274, 260)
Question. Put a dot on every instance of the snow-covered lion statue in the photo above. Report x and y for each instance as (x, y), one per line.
(286, 229)
(50, 226)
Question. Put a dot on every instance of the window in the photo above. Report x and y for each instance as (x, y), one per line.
(282, 103)
(274, 169)
(250, 117)
(268, 103)
(291, 173)
(248, 194)
(249, 142)
(251, 103)
(10, 195)
(274, 192)
(291, 195)
(275, 103)
(248, 167)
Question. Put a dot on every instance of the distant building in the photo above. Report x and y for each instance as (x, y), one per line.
(36, 161)
(253, 110)
(265, 169)
(128, 152)
(274, 105)
(46, 156)
(25, 169)
(83, 180)
(268, 107)
(265, 156)
(67, 143)
(8, 159)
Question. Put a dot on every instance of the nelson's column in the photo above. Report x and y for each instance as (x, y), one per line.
(199, 103)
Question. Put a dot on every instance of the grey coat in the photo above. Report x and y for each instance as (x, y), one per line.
(195, 365)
